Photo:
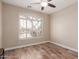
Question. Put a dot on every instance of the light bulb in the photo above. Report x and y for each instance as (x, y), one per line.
(43, 4)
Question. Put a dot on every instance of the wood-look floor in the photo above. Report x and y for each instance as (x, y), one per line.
(41, 51)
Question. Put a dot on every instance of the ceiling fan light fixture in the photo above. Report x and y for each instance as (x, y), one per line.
(44, 4)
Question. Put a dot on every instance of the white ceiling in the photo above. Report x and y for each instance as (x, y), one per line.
(60, 4)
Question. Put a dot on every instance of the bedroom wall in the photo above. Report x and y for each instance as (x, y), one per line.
(10, 26)
(64, 29)
(0, 24)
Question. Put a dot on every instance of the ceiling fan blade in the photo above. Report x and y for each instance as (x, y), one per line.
(51, 5)
(49, 0)
(36, 3)
(29, 6)
(42, 8)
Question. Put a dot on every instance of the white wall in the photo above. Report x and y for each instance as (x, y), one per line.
(64, 27)
(0, 24)
(10, 26)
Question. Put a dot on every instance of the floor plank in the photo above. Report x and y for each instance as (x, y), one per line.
(41, 51)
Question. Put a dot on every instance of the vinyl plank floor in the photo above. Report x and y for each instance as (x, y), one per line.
(41, 51)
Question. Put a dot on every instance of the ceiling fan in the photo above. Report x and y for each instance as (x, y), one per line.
(44, 3)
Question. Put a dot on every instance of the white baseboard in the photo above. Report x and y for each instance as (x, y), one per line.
(25, 45)
(65, 46)
(41, 43)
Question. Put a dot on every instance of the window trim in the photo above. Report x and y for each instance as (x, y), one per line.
(37, 37)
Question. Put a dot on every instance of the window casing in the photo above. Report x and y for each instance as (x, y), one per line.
(30, 27)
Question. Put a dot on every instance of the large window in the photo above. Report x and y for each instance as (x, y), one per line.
(30, 27)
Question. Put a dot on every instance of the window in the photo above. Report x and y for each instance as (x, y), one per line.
(29, 27)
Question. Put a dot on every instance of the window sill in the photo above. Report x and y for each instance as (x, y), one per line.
(30, 38)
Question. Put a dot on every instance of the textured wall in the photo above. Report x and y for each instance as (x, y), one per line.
(10, 26)
(0, 24)
(64, 27)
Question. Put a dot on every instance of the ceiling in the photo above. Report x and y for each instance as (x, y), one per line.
(60, 4)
